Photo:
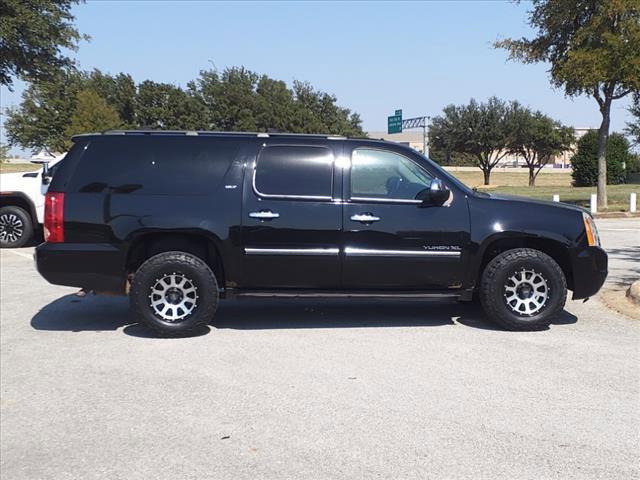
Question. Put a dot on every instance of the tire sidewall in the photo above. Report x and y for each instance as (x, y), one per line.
(541, 264)
(163, 264)
(27, 226)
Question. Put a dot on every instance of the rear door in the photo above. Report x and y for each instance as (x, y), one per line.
(291, 224)
(392, 241)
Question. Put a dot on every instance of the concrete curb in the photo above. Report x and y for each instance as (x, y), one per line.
(633, 292)
(616, 215)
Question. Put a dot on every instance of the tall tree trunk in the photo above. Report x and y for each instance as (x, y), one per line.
(487, 175)
(532, 177)
(603, 138)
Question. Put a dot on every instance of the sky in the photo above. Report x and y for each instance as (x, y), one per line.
(376, 57)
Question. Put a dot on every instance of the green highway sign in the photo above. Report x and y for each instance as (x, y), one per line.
(394, 124)
(399, 112)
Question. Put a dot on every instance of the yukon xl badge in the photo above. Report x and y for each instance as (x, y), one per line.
(443, 248)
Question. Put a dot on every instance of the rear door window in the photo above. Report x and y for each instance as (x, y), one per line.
(294, 171)
(154, 165)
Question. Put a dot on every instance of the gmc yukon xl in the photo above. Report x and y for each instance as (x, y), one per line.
(179, 220)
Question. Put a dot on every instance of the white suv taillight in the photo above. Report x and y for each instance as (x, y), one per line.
(54, 217)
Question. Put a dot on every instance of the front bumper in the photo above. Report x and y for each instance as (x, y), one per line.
(589, 272)
(94, 266)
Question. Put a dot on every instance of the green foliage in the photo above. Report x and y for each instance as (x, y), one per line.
(633, 127)
(238, 99)
(4, 152)
(537, 138)
(481, 130)
(593, 46)
(91, 114)
(453, 159)
(43, 115)
(233, 100)
(119, 91)
(33, 35)
(165, 106)
(585, 160)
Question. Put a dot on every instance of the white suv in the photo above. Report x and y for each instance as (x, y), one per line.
(22, 205)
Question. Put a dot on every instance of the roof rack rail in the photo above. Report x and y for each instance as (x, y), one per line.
(213, 132)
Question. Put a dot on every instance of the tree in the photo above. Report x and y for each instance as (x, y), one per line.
(633, 127)
(33, 35)
(119, 91)
(238, 99)
(4, 152)
(91, 114)
(166, 106)
(537, 139)
(482, 130)
(233, 100)
(593, 47)
(41, 119)
(585, 160)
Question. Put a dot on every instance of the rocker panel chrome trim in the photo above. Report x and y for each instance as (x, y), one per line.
(292, 251)
(366, 252)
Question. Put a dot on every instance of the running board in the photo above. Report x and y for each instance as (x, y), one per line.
(434, 295)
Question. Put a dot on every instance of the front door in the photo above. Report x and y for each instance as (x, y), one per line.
(391, 240)
(291, 224)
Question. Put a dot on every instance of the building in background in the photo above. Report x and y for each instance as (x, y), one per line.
(413, 139)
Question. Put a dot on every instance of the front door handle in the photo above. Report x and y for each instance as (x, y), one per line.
(364, 218)
(264, 215)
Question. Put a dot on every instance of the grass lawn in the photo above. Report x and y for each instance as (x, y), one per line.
(547, 184)
(18, 167)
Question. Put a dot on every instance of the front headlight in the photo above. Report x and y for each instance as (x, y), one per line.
(590, 228)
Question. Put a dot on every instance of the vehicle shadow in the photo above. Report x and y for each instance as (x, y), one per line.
(94, 313)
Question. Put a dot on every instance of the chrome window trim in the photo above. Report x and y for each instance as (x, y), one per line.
(366, 252)
(293, 251)
(385, 200)
(292, 197)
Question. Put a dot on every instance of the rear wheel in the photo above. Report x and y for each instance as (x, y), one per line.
(16, 227)
(523, 289)
(174, 293)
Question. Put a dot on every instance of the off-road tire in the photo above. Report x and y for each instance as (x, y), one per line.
(169, 263)
(497, 273)
(13, 212)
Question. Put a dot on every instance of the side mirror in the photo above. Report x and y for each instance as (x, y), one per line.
(435, 195)
(46, 173)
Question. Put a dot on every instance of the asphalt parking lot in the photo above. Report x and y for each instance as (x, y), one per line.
(317, 389)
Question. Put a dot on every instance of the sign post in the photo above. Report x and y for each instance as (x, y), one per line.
(395, 124)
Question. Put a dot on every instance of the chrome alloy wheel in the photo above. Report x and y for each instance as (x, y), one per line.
(11, 228)
(173, 297)
(526, 292)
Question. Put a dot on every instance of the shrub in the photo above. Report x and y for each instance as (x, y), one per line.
(585, 160)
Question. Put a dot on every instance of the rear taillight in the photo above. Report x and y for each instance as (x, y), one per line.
(54, 217)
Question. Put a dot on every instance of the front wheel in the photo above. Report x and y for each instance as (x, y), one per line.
(16, 228)
(174, 293)
(523, 289)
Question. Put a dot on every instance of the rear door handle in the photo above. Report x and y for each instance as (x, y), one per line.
(264, 215)
(364, 218)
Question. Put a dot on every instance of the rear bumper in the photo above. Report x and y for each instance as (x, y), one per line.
(94, 266)
(589, 272)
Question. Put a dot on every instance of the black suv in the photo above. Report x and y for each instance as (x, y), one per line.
(178, 220)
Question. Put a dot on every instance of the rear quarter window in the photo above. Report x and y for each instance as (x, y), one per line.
(294, 171)
(154, 165)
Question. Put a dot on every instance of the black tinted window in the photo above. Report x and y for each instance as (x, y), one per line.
(294, 170)
(154, 165)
